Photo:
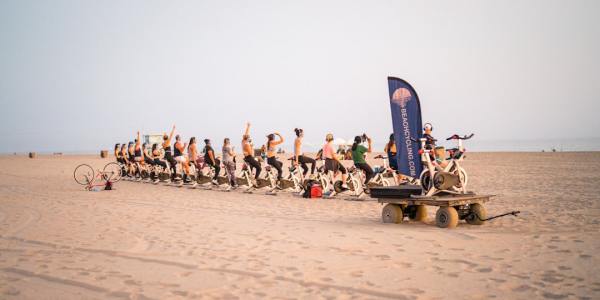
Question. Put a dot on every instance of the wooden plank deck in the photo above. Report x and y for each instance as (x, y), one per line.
(447, 200)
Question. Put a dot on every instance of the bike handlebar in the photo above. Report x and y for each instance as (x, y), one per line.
(458, 137)
(417, 141)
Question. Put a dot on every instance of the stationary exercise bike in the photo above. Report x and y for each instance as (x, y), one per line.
(443, 176)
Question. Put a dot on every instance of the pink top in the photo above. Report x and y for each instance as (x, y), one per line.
(328, 151)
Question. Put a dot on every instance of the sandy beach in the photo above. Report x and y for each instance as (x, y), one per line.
(144, 241)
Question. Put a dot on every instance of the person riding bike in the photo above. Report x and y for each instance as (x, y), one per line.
(211, 160)
(332, 163)
(147, 155)
(271, 153)
(138, 153)
(124, 158)
(166, 145)
(358, 157)
(249, 152)
(131, 159)
(193, 154)
(299, 157)
(229, 161)
(117, 153)
(156, 156)
(390, 150)
(181, 158)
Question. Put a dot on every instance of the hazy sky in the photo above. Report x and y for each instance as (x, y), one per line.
(82, 75)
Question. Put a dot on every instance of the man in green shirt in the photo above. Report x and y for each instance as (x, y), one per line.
(358, 156)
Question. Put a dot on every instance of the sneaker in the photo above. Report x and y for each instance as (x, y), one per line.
(215, 182)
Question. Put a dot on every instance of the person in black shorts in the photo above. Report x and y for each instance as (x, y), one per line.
(211, 160)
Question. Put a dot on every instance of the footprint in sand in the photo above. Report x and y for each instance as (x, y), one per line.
(180, 293)
(9, 291)
(132, 282)
(553, 296)
(484, 270)
(383, 257)
(356, 273)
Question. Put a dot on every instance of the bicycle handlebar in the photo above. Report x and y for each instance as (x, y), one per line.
(458, 137)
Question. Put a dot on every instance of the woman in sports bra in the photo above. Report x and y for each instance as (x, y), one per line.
(124, 154)
(271, 157)
(167, 148)
(249, 152)
(299, 157)
(138, 151)
(390, 150)
(117, 153)
(156, 156)
(147, 154)
(193, 154)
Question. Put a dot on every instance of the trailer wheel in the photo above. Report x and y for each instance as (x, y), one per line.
(418, 213)
(392, 213)
(446, 217)
(476, 212)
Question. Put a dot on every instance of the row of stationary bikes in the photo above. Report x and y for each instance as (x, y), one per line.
(203, 177)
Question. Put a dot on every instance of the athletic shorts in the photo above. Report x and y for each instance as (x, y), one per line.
(333, 166)
(138, 158)
(181, 159)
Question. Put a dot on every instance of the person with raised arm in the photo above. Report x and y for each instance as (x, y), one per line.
(299, 157)
(168, 153)
(249, 152)
(131, 158)
(358, 157)
(271, 153)
(211, 160)
(138, 153)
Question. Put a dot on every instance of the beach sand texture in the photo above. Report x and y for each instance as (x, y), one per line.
(143, 241)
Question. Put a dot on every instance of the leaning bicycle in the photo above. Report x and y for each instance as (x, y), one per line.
(84, 174)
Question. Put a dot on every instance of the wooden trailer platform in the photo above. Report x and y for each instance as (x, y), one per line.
(451, 207)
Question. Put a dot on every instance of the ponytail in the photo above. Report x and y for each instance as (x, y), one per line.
(357, 140)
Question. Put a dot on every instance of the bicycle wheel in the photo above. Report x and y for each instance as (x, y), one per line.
(426, 182)
(112, 172)
(83, 174)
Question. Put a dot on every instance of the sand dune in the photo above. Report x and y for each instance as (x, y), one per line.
(143, 241)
